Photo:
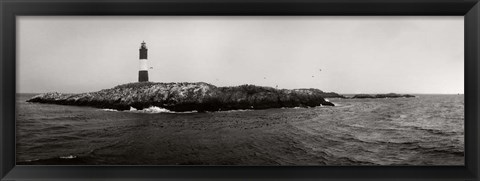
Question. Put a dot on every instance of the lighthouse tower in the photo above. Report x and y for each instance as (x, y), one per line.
(143, 72)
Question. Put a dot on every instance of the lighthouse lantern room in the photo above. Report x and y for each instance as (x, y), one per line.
(143, 72)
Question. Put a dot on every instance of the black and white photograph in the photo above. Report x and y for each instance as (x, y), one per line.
(240, 90)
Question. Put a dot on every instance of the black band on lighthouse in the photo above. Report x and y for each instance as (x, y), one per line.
(143, 53)
(143, 76)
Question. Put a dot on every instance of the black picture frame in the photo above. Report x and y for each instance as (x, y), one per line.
(9, 9)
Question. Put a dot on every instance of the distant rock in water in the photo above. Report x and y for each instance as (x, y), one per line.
(331, 95)
(190, 97)
(390, 95)
(363, 96)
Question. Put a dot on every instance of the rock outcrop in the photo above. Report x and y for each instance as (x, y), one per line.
(390, 95)
(190, 97)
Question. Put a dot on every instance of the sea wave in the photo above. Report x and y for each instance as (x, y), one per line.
(155, 109)
(150, 110)
(111, 110)
(63, 160)
(239, 110)
(68, 157)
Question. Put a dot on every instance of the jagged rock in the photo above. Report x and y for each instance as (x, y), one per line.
(190, 97)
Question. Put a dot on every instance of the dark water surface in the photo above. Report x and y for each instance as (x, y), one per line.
(427, 130)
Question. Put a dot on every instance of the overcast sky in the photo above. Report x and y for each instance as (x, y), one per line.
(340, 54)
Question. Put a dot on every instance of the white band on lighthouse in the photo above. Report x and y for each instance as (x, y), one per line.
(143, 64)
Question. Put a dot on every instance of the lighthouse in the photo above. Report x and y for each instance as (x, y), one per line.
(143, 72)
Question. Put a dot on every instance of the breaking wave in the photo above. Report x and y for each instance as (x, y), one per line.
(110, 110)
(239, 110)
(151, 110)
(68, 157)
(155, 109)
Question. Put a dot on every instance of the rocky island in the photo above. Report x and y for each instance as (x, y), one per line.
(198, 96)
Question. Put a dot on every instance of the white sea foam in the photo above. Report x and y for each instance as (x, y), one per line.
(291, 108)
(151, 110)
(68, 157)
(111, 110)
(238, 110)
(155, 109)
(32, 160)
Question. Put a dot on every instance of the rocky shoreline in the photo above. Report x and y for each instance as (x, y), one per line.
(198, 96)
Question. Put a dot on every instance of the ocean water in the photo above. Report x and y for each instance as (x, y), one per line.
(426, 130)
